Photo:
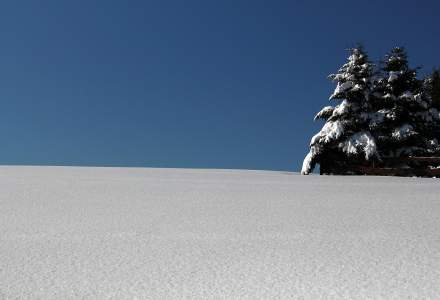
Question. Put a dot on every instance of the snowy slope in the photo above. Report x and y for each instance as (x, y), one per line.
(115, 233)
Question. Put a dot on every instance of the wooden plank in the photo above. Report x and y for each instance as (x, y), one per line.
(433, 172)
(385, 171)
(422, 159)
(427, 172)
(416, 166)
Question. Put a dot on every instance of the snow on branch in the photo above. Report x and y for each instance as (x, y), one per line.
(330, 131)
(403, 132)
(324, 113)
(360, 141)
(341, 88)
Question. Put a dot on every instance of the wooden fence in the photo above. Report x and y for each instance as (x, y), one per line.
(406, 166)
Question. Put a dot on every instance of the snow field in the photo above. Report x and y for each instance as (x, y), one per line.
(121, 233)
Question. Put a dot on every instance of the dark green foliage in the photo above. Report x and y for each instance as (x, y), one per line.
(402, 108)
(383, 114)
(343, 133)
(433, 88)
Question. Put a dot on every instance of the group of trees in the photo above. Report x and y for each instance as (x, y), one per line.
(383, 112)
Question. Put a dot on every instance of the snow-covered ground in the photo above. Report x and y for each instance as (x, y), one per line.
(121, 233)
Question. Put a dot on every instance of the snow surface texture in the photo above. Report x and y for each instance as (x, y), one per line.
(115, 233)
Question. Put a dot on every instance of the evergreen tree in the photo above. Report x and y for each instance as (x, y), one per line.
(403, 118)
(345, 132)
(433, 88)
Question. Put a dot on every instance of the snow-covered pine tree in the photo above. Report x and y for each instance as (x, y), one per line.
(433, 87)
(345, 132)
(403, 119)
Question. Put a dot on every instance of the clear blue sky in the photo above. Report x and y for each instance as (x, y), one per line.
(201, 84)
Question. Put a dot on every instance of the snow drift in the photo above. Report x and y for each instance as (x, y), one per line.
(100, 233)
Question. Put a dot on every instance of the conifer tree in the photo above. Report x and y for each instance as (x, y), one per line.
(345, 132)
(403, 118)
(432, 84)
(432, 88)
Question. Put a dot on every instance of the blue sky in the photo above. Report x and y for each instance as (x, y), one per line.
(199, 84)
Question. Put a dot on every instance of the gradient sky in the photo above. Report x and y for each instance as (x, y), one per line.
(198, 84)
